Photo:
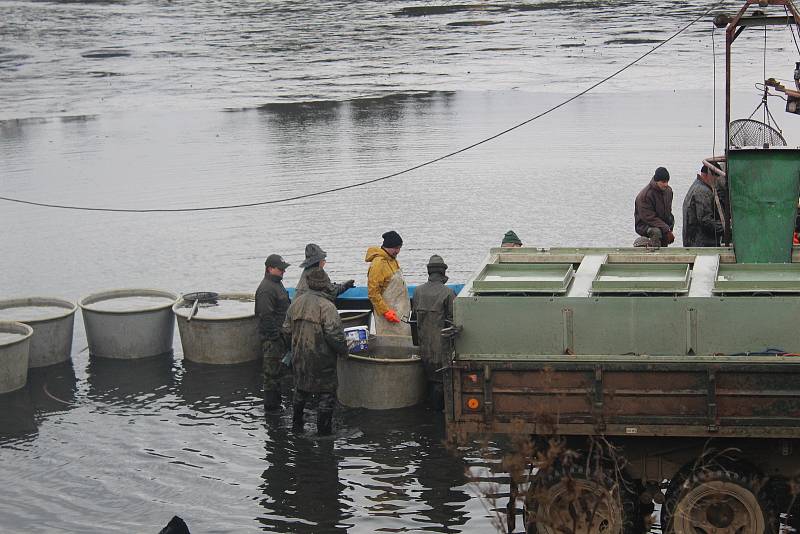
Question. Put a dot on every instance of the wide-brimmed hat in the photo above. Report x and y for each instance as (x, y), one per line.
(314, 254)
(436, 263)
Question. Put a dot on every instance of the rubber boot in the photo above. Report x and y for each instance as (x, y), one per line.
(297, 416)
(436, 396)
(324, 423)
(272, 400)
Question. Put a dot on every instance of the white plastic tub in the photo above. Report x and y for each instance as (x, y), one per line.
(14, 350)
(52, 320)
(129, 323)
(222, 334)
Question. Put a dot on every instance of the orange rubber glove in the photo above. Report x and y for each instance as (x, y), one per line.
(391, 316)
(670, 237)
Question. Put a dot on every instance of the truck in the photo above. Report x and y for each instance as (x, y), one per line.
(634, 377)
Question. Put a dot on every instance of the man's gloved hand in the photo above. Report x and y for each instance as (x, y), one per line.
(670, 237)
(350, 283)
(391, 316)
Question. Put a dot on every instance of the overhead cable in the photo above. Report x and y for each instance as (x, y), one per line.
(381, 178)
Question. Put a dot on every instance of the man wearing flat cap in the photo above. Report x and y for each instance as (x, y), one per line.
(652, 213)
(433, 308)
(315, 258)
(386, 288)
(272, 301)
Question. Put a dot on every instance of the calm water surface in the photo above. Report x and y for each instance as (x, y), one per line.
(143, 104)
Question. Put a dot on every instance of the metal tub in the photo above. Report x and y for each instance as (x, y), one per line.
(129, 333)
(14, 355)
(219, 340)
(385, 377)
(52, 332)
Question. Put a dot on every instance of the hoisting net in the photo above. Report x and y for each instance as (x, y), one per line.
(749, 133)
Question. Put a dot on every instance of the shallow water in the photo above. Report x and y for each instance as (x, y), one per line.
(144, 104)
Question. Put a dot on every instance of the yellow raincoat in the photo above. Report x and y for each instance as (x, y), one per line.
(381, 270)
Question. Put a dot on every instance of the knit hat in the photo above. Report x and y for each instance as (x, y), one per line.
(512, 238)
(661, 175)
(392, 239)
(314, 254)
(317, 279)
(436, 263)
(275, 260)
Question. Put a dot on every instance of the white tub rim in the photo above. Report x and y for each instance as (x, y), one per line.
(414, 358)
(32, 302)
(15, 327)
(86, 302)
(180, 302)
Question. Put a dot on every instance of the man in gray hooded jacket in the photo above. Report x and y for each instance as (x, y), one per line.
(317, 337)
(433, 307)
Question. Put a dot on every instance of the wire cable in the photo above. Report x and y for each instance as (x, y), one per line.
(381, 178)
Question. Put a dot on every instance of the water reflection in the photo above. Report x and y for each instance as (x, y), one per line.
(17, 421)
(53, 388)
(135, 383)
(400, 469)
(301, 487)
(221, 390)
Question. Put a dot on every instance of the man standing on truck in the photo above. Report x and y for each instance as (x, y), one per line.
(433, 308)
(386, 288)
(702, 226)
(315, 328)
(272, 301)
(510, 240)
(315, 257)
(652, 212)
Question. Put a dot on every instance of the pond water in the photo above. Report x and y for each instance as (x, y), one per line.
(147, 104)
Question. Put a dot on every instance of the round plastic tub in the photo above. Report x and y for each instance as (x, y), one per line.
(52, 321)
(15, 344)
(384, 377)
(224, 333)
(129, 323)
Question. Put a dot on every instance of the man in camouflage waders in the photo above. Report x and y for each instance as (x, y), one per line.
(272, 301)
(314, 326)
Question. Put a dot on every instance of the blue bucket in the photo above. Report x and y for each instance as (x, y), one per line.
(357, 338)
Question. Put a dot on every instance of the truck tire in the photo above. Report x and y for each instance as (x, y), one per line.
(717, 500)
(581, 502)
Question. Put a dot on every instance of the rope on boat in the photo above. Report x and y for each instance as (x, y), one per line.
(387, 176)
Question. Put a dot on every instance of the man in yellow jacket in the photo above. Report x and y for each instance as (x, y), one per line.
(386, 288)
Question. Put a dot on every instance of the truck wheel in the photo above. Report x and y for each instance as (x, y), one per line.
(573, 502)
(719, 502)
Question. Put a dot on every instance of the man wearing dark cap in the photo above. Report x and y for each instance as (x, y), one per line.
(272, 301)
(652, 213)
(386, 288)
(433, 308)
(315, 258)
(510, 240)
(702, 224)
(315, 329)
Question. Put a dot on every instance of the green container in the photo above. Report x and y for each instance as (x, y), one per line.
(764, 188)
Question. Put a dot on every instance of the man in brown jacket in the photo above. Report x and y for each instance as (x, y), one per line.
(652, 214)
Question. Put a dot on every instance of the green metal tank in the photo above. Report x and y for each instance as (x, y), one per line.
(764, 186)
